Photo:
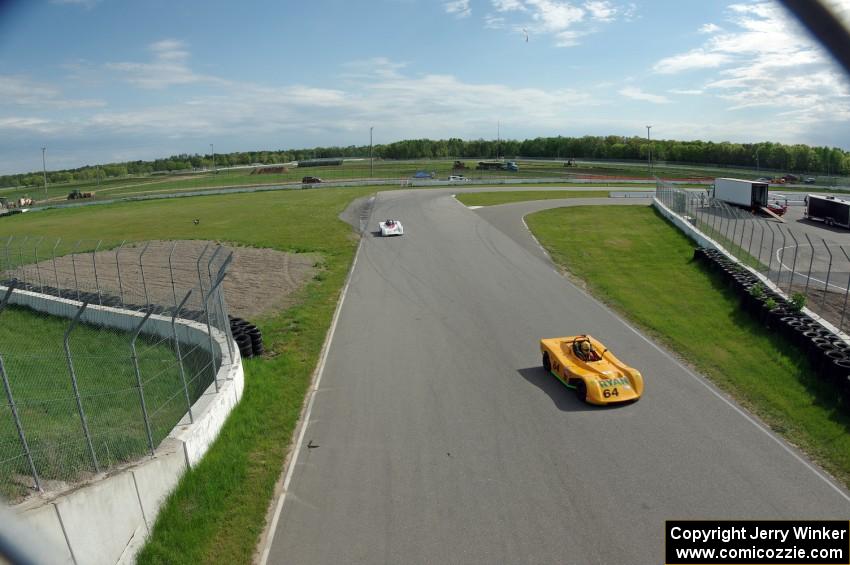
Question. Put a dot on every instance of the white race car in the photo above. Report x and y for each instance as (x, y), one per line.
(391, 227)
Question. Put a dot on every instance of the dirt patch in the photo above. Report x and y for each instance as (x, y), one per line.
(259, 281)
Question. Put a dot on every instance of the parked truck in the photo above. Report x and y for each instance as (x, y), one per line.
(829, 209)
(752, 195)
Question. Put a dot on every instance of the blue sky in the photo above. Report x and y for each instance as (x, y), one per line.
(105, 80)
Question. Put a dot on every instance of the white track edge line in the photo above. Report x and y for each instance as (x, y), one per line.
(305, 420)
(711, 388)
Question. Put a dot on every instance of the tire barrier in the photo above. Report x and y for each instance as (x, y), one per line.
(826, 352)
(247, 336)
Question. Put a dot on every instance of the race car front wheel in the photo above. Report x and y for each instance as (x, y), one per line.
(547, 364)
(581, 391)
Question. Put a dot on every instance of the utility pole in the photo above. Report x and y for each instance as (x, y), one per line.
(758, 169)
(44, 170)
(649, 151)
(371, 163)
(498, 137)
(212, 150)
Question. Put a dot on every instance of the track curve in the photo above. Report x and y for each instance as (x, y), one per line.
(441, 439)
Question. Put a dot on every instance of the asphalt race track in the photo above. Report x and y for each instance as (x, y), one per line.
(440, 438)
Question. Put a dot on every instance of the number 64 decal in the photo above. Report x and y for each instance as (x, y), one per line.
(609, 392)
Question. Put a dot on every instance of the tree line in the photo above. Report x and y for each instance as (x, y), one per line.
(792, 158)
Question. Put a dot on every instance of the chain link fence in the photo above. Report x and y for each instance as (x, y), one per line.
(104, 348)
(792, 259)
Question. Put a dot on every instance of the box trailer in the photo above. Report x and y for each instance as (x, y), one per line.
(831, 210)
(745, 193)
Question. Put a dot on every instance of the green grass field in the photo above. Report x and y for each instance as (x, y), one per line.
(218, 510)
(693, 314)
(40, 380)
(349, 170)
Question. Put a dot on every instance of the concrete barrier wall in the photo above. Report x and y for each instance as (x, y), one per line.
(106, 520)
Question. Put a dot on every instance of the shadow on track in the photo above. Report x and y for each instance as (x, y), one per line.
(563, 397)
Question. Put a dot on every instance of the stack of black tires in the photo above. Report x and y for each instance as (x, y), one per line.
(828, 354)
(247, 336)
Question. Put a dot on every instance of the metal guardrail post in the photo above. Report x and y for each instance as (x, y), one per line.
(18, 426)
(8, 388)
(21, 254)
(70, 362)
(220, 275)
(118, 268)
(74, 266)
(55, 270)
(811, 261)
(37, 268)
(8, 257)
(780, 252)
(171, 273)
(209, 332)
(200, 277)
(179, 355)
(139, 379)
(828, 272)
(142, 269)
(794, 262)
(94, 266)
(846, 292)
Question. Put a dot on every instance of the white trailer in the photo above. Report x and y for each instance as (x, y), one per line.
(745, 193)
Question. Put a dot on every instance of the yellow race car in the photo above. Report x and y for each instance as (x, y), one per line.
(585, 364)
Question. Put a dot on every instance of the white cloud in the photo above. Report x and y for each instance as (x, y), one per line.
(565, 21)
(696, 59)
(687, 91)
(508, 5)
(763, 58)
(710, 28)
(170, 66)
(601, 10)
(458, 8)
(21, 91)
(637, 94)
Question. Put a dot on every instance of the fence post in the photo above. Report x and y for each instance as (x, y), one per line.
(828, 272)
(846, 292)
(761, 243)
(200, 277)
(94, 266)
(70, 361)
(37, 268)
(811, 261)
(8, 388)
(782, 253)
(770, 259)
(139, 379)
(55, 270)
(8, 257)
(171, 273)
(118, 268)
(142, 269)
(221, 272)
(74, 266)
(209, 332)
(23, 276)
(179, 355)
(794, 262)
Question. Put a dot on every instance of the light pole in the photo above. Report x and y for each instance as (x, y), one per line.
(758, 170)
(371, 163)
(649, 152)
(44, 170)
(212, 150)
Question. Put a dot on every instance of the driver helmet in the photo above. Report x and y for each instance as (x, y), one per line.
(585, 347)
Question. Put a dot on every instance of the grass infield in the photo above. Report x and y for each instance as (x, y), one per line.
(506, 197)
(692, 313)
(217, 511)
